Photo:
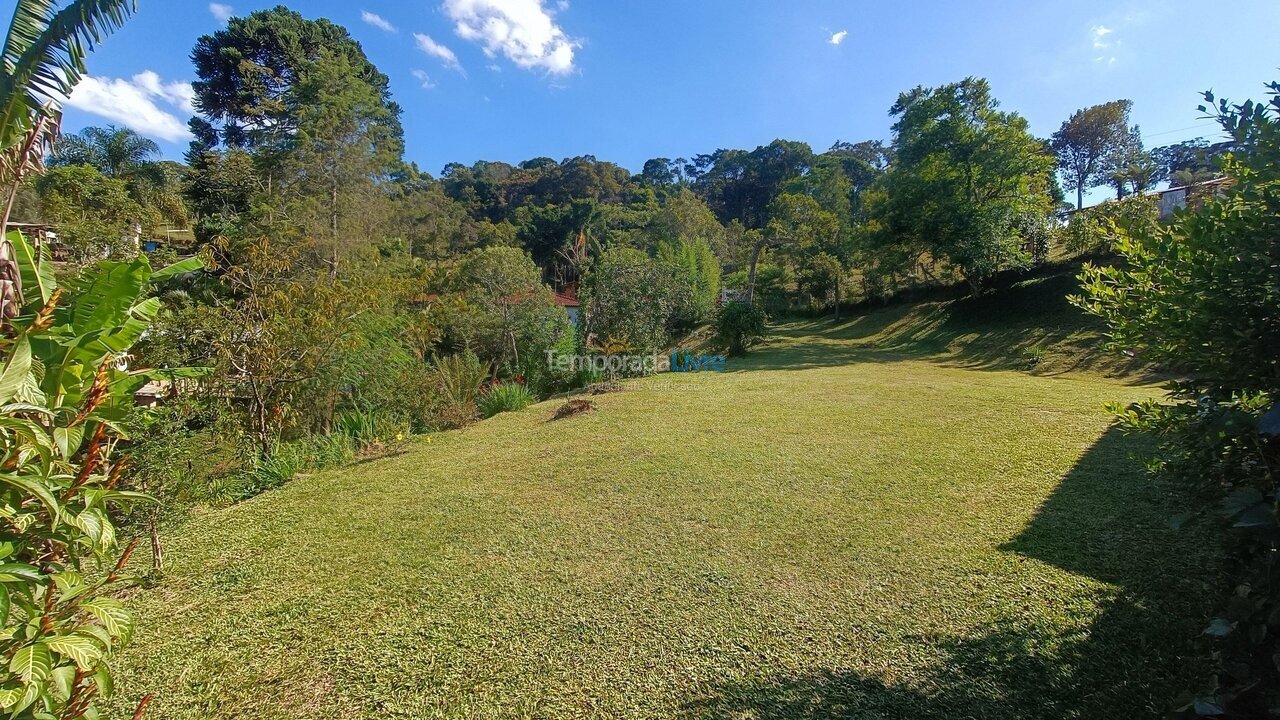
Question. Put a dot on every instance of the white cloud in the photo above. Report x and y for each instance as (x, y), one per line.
(132, 103)
(179, 94)
(1100, 33)
(377, 21)
(422, 77)
(221, 13)
(438, 51)
(522, 30)
(1103, 44)
(839, 37)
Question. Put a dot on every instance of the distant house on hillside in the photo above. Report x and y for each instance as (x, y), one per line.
(1176, 198)
(567, 298)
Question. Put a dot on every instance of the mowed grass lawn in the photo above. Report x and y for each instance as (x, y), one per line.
(826, 531)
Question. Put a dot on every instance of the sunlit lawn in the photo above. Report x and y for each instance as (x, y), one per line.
(823, 532)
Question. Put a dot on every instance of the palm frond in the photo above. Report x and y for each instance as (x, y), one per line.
(45, 49)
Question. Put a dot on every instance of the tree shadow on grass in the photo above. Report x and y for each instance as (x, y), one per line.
(1106, 521)
(1029, 326)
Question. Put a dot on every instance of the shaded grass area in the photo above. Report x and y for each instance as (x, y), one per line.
(850, 526)
(1029, 325)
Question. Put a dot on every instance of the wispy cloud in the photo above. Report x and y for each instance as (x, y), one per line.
(437, 51)
(839, 37)
(1100, 36)
(132, 103)
(523, 31)
(424, 79)
(377, 21)
(221, 13)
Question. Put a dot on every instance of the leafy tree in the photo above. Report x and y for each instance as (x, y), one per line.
(631, 298)
(346, 142)
(219, 188)
(684, 215)
(819, 278)
(967, 179)
(861, 164)
(1133, 170)
(436, 227)
(741, 185)
(509, 314)
(95, 214)
(249, 71)
(1188, 162)
(1199, 296)
(1087, 143)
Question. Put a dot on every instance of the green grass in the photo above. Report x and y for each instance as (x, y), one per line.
(847, 525)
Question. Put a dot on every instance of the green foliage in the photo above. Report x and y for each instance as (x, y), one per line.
(1088, 144)
(507, 313)
(1098, 228)
(95, 214)
(1200, 296)
(123, 154)
(967, 181)
(361, 427)
(249, 73)
(632, 298)
(286, 461)
(504, 397)
(739, 326)
(459, 380)
(819, 279)
(63, 399)
(697, 270)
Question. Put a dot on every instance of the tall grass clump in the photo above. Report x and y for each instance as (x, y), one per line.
(505, 397)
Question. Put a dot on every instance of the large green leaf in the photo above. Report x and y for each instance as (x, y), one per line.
(45, 49)
(108, 293)
(113, 615)
(32, 663)
(181, 267)
(84, 650)
(33, 486)
(17, 370)
(35, 268)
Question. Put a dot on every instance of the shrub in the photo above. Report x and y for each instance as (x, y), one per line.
(739, 326)
(286, 461)
(1096, 229)
(505, 397)
(1200, 296)
(62, 397)
(632, 298)
(459, 379)
(361, 427)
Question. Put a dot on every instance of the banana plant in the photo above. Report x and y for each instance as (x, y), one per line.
(64, 389)
(43, 59)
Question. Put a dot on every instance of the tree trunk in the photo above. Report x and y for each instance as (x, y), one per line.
(1080, 198)
(333, 228)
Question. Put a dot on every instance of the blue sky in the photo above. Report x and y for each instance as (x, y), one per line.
(626, 81)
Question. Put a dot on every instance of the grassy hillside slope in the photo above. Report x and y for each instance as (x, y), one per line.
(860, 521)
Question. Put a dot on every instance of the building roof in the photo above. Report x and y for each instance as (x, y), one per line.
(567, 297)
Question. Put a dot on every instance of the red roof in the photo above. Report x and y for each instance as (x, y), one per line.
(567, 298)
